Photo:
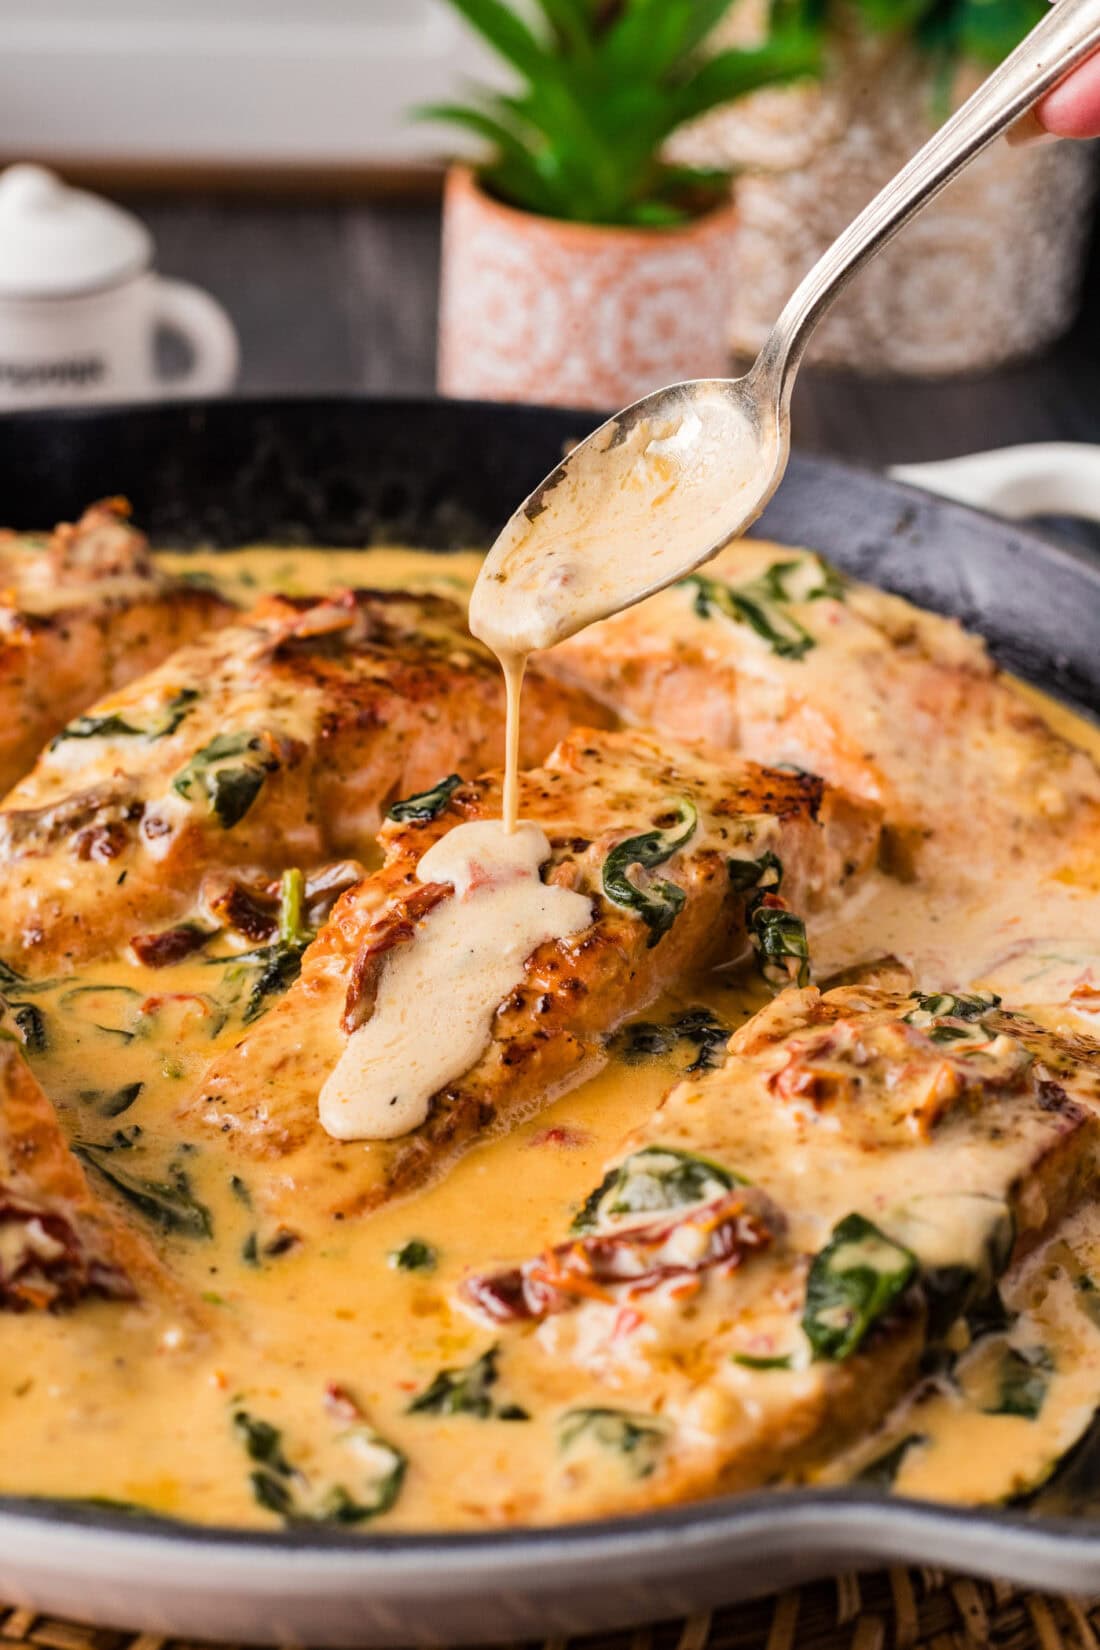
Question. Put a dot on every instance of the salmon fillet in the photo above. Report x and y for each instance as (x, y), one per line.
(59, 1244)
(84, 610)
(596, 792)
(762, 1272)
(278, 741)
(769, 651)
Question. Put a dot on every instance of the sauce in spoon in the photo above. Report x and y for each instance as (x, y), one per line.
(616, 523)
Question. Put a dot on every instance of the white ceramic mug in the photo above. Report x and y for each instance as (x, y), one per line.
(100, 346)
(80, 306)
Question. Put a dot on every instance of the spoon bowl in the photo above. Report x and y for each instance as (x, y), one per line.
(651, 494)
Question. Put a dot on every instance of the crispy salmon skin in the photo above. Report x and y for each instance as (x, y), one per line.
(83, 610)
(275, 742)
(598, 790)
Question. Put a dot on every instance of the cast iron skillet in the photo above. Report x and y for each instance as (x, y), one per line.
(444, 475)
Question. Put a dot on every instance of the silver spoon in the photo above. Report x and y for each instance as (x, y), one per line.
(666, 483)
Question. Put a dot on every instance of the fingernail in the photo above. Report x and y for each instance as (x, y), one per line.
(1029, 131)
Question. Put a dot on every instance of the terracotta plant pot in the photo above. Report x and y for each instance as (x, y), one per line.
(989, 272)
(533, 309)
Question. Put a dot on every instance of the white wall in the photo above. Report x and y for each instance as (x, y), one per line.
(284, 82)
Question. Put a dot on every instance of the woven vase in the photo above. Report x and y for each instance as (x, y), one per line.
(989, 272)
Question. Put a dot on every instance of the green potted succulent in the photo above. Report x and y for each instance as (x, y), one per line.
(582, 265)
(989, 272)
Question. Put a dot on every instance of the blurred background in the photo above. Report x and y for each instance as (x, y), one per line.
(268, 148)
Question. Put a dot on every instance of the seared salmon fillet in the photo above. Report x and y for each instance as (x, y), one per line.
(769, 651)
(59, 1244)
(275, 742)
(85, 609)
(726, 836)
(762, 1272)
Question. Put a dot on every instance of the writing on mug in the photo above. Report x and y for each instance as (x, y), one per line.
(77, 372)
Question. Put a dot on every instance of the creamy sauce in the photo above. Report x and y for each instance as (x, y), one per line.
(92, 1410)
(624, 521)
(437, 997)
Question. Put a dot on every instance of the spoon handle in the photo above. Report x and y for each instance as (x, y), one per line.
(1055, 45)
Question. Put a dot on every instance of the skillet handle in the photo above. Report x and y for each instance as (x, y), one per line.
(1048, 478)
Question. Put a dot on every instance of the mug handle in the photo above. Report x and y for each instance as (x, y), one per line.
(209, 331)
(1056, 478)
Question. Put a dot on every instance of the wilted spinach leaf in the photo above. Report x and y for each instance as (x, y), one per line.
(765, 872)
(280, 1487)
(170, 1203)
(467, 1392)
(1023, 1378)
(763, 603)
(114, 726)
(94, 727)
(779, 939)
(425, 805)
(659, 903)
(414, 1256)
(853, 1282)
(653, 1180)
(228, 773)
(699, 1027)
(638, 1439)
(113, 1102)
(952, 1005)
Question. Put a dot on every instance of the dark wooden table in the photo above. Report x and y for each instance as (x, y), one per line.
(339, 296)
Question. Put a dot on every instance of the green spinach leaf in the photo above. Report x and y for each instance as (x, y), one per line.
(637, 1439)
(652, 1181)
(763, 873)
(698, 1027)
(12, 982)
(659, 903)
(275, 966)
(170, 1203)
(280, 967)
(781, 945)
(414, 1256)
(950, 1005)
(467, 1391)
(228, 774)
(114, 726)
(1023, 1378)
(94, 727)
(113, 1102)
(764, 603)
(282, 1489)
(963, 1242)
(177, 708)
(853, 1282)
(425, 805)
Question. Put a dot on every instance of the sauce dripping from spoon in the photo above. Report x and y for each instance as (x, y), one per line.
(514, 666)
(618, 521)
(472, 949)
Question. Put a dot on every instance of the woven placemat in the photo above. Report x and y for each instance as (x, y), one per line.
(893, 1610)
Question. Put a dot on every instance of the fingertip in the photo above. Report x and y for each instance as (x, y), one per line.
(1072, 109)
